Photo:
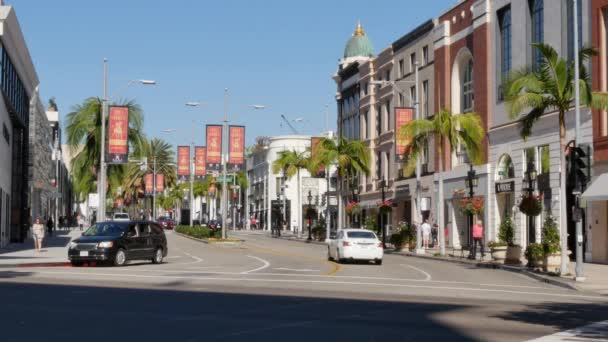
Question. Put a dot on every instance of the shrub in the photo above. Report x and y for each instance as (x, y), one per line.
(397, 240)
(199, 232)
(494, 244)
(534, 251)
(371, 224)
(550, 237)
(506, 232)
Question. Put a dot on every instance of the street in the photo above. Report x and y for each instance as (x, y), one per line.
(267, 288)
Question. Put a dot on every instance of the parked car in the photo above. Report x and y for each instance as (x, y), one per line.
(120, 217)
(355, 244)
(117, 242)
(215, 225)
(166, 222)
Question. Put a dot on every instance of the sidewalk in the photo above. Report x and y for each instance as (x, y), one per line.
(54, 251)
(596, 274)
(288, 235)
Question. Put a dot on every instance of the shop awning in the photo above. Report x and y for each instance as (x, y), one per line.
(598, 190)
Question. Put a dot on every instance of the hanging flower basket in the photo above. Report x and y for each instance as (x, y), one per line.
(471, 206)
(385, 206)
(531, 205)
(353, 208)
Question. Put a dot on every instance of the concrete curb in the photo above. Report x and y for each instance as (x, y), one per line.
(38, 264)
(299, 240)
(229, 243)
(488, 264)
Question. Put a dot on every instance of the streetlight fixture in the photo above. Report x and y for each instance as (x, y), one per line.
(101, 184)
(530, 181)
(309, 198)
(471, 182)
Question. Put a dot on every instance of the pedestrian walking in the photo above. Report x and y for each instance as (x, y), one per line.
(426, 233)
(477, 239)
(434, 233)
(80, 221)
(49, 226)
(38, 234)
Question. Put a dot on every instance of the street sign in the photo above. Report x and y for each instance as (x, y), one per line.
(221, 179)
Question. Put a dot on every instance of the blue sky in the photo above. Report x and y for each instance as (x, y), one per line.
(278, 53)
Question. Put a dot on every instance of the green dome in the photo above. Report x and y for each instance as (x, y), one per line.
(359, 45)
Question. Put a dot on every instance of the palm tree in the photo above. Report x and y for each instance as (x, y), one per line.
(350, 157)
(84, 136)
(464, 130)
(290, 162)
(551, 87)
(157, 152)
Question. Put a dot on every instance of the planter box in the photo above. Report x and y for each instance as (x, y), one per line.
(552, 263)
(499, 253)
(513, 256)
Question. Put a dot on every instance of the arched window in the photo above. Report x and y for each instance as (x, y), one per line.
(505, 169)
(467, 87)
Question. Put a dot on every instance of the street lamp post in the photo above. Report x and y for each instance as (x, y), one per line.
(530, 181)
(471, 182)
(382, 225)
(154, 190)
(309, 198)
(101, 184)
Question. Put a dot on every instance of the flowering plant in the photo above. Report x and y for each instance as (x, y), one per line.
(385, 206)
(531, 205)
(471, 206)
(353, 208)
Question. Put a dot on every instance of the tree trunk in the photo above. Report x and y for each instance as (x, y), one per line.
(440, 202)
(563, 220)
(299, 206)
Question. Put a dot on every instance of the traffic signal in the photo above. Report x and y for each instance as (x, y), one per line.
(580, 168)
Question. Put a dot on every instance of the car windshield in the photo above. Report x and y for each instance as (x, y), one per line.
(361, 235)
(105, 229)
(121, 216)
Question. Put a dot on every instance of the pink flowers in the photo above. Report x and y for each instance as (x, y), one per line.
(353, 208)
(471, 206)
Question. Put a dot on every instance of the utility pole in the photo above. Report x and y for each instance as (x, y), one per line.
(224, 157)
(154, 190)
(419, 249)
(191, 165)
(101, 184)
(577, 133)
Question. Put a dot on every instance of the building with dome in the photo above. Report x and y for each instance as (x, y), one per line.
(359, 48)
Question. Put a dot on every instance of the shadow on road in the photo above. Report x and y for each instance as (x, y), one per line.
(60, 238)
(208, 316)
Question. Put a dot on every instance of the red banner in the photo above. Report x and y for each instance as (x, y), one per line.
(118, 131)
(236, 148)
(214, 147)
(200, 162)
(160, 182)
(314, 143)
(149, 183)
(402, 117)
(183, 162)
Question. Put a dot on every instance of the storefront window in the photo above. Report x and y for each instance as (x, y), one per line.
(505, 168)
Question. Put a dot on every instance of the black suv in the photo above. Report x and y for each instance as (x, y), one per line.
(117, 242)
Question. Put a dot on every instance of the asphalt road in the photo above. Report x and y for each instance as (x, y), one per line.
(271, 289)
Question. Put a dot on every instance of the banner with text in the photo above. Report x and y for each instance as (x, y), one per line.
(314, 145)
(183, 163)
(236, 148)
(160, 182)
(118, 132)
(149, 183)
(200, 162)
(402, 116)
(214, 148)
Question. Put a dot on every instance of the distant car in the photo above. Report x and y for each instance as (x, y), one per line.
(120, 217)
(117, 242)
(166, 222)
(215, 225)
(355, 244)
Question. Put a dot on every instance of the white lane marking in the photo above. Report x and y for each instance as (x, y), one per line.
(427, 276)
(196, 259)
(592, 332)
(266, 264)
(330, 282)
(295, 269)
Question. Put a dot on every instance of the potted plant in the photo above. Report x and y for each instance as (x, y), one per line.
(535, 254)
(531, 205)
(498, 250)
(385, 206)
(471, 206)
(397, 241)
(402, 238)
(353, 208)
(551, 247)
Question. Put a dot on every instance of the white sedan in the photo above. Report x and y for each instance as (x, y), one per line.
(355, 244)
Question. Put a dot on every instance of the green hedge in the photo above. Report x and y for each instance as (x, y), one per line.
(199, 232)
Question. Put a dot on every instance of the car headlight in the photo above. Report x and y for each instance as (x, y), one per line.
(106, 244)
(72, 245)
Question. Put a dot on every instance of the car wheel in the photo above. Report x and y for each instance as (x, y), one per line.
(158, 256)
(120, 259)
(378, 262)
(76, 263)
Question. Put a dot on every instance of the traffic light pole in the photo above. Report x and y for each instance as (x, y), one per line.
(579, 223)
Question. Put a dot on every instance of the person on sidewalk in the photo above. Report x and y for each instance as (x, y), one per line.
(38, 234)
(80, 221)
(478, 239)
(49, 226)
(426, 234)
